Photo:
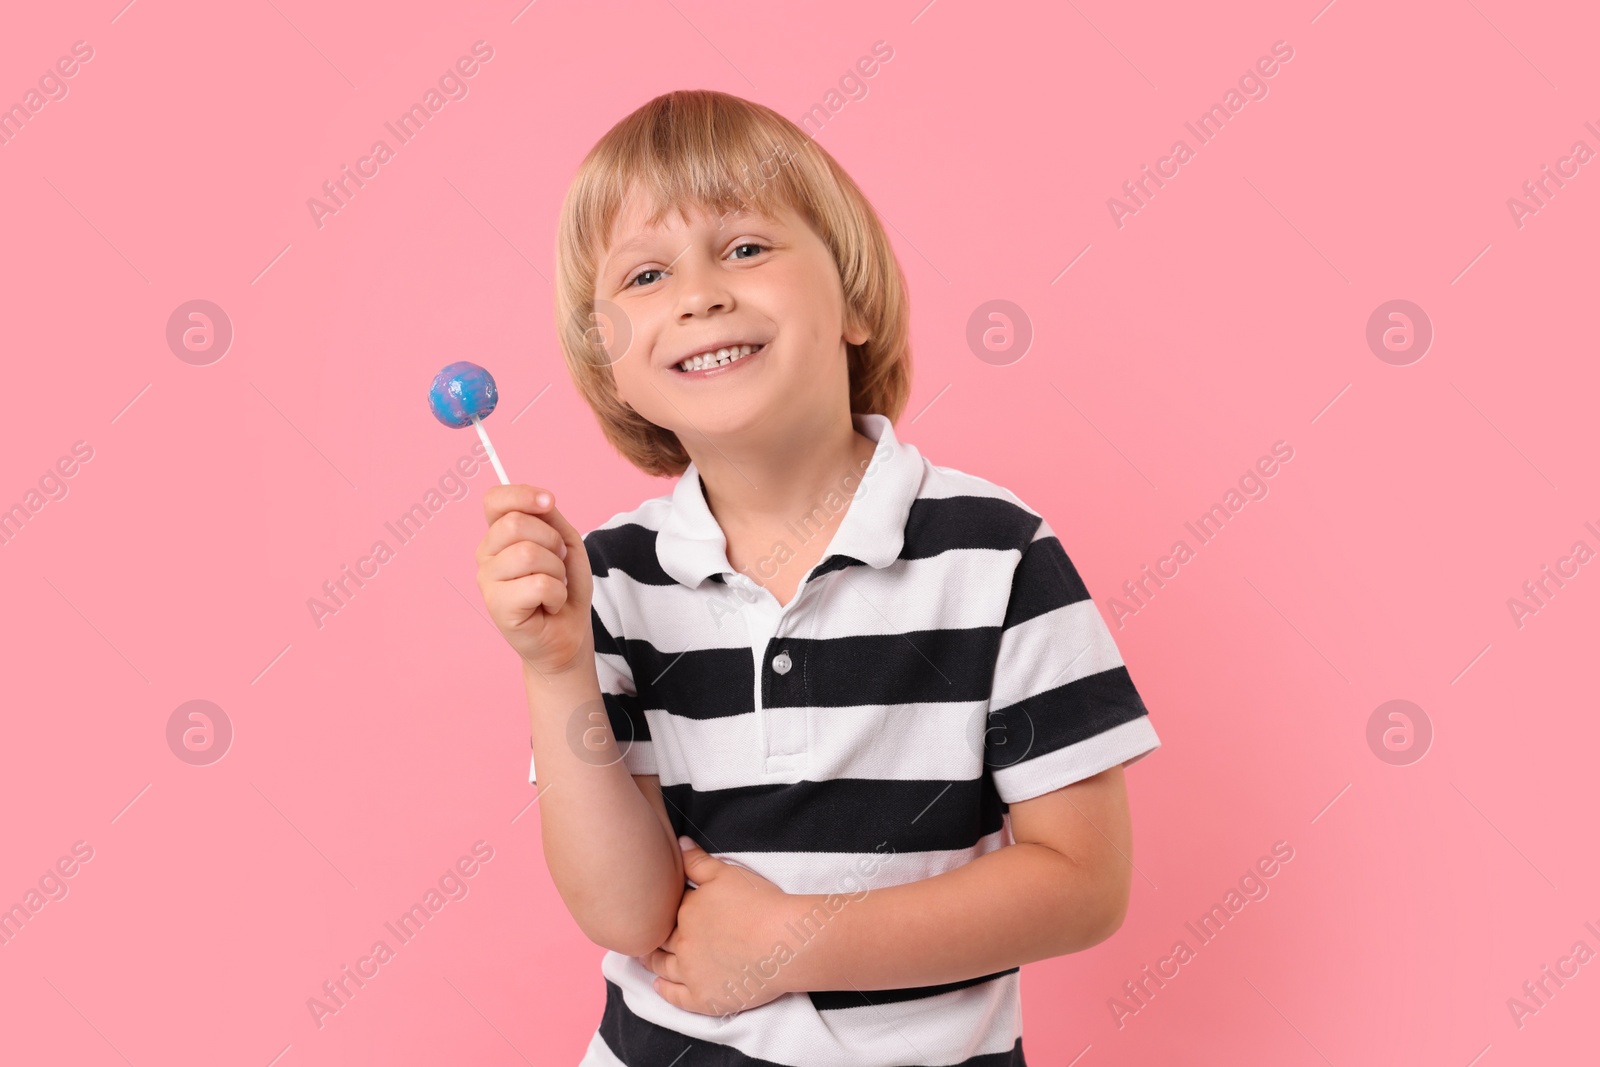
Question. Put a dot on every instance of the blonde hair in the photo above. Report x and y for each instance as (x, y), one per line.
(686, 147)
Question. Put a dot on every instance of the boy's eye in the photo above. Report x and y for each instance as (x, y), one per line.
(757, 248)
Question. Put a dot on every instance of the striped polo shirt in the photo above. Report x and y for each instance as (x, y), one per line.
(942, 661)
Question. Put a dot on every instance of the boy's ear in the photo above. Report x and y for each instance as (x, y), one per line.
(855, 331)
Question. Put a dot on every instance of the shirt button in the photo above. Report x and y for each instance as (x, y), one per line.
(781, 663)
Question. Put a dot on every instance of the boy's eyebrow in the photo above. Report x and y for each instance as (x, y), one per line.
(643, 237)
(646, 235)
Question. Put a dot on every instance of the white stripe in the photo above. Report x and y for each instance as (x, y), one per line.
(897, 742)
(616, 677)
(651, 514)
(1125, 743)
(1051, 650)
(947, 1028)
(941, 483)
(851, 872)
(960, 588)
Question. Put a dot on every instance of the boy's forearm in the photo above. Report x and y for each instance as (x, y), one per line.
(616, 866)
(1015, 905)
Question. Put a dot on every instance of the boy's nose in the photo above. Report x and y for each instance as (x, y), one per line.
(703, 306)
(702, 289)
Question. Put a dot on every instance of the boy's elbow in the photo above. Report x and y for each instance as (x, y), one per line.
(628, 943)
(635, 936)
(1115, 912)
(629, 939)
(633, 924)
(1107, 907)
(1117, 888)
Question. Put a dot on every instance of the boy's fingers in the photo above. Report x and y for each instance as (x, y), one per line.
(499, 499)
(569, 534)
(516, 526)
(537, 520)
(517, 562)
(535, 591)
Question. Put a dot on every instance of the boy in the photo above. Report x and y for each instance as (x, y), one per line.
(862, 704)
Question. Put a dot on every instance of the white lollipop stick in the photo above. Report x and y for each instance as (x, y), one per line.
(484, 436)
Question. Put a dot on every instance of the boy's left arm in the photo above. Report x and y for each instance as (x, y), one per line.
(1062, 887)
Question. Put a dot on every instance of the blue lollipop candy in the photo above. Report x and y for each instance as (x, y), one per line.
(464, 394)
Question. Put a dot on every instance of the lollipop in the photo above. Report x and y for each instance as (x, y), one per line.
(464, 393)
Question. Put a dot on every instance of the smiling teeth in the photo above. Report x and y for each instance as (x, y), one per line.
(720, 356)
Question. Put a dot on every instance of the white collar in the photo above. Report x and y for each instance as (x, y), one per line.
(691, 547)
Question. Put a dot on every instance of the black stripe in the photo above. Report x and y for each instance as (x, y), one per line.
(861, 815)
(914, 667)
(626, 712)
(1044, 580)
(938, 524)
(641, 1043)
(638, 1042)
(1012, 1058)
(834, 563)
(706, 683)
(628, 724)
(603, 641)
(1060, 717)
(867, 669)
(629, 548)
(832, 999)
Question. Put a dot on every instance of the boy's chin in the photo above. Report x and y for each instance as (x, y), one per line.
(718, 422)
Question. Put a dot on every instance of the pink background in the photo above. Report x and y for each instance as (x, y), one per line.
(1227, 314)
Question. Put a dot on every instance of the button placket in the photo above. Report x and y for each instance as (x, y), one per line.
(784, 728)
(784, 734)
(785, 724)
(761, 623)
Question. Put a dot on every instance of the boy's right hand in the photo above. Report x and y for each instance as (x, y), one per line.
(533, 572)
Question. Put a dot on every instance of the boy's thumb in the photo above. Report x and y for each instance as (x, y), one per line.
(692, 853)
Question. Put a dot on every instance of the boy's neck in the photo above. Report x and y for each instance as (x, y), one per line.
(757, 485)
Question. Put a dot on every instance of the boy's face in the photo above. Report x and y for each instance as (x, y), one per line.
(714, 281)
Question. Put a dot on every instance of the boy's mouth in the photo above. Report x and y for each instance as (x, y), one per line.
(708, 363)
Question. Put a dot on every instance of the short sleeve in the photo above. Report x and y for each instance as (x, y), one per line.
(624, 709)
(1062, 706)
